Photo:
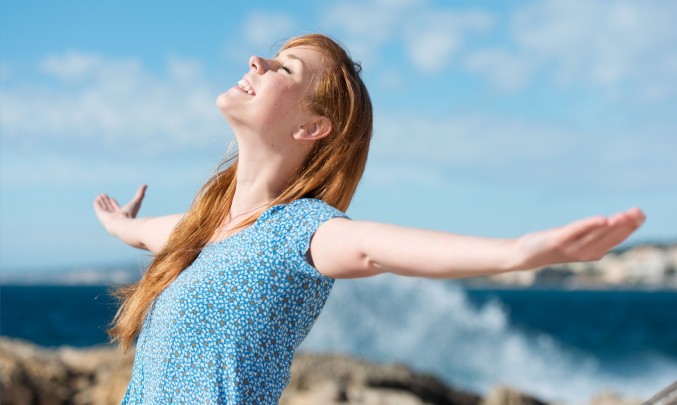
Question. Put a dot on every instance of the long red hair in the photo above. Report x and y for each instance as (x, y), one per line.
(331, 173)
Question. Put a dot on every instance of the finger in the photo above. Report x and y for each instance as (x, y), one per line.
(114, 203)
(633, 215)
(110, 203)
(98, 202)
(140, 193)
(579, 229)
(622, 225)
(638, 215)
(581, 248)
(599, 242)
(104, 202)
(134, 205)
(612, 238)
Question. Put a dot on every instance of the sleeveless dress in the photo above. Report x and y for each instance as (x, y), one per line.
(225, 330)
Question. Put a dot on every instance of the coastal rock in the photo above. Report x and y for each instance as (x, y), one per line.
(31, 375)
(502, 395)
(338, 379)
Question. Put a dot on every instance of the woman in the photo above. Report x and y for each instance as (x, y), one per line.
(238, 280)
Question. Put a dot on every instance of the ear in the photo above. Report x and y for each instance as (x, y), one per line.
(316, 128)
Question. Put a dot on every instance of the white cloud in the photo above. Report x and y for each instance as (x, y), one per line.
(622, 45)
(264, 29)
(505, 70)
(430, 51)
(431, 36)
(112, 102)
(364, 26)
(76, 66)
(262, 33)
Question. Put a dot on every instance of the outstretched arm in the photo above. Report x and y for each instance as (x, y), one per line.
(149, 233)
(343, 248)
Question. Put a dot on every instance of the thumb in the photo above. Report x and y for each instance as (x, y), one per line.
(140, 193)
(134, 205)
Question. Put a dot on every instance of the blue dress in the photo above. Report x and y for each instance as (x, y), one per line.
(225, 330)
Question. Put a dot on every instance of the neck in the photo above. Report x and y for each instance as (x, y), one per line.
(261, 177)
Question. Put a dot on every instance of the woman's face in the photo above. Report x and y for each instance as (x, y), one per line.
(269, 97)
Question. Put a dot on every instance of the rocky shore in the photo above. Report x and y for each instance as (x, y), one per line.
(32, 375)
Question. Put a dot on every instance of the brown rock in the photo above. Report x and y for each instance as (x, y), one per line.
(29, 374)
(32, 375)
(502, 395)
(338, 379)
(612, 398)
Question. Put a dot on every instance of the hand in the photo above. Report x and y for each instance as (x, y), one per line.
(587, 239)
(108, 210)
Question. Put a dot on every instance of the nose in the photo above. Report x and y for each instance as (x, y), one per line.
(258, 65)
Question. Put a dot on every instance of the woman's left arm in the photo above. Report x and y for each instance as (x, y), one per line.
(343, 248)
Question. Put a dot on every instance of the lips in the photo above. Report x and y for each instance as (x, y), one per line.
(246, 87)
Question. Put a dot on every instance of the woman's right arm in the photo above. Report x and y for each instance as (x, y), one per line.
(149, 233)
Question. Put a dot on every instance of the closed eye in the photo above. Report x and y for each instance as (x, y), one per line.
(283, 67)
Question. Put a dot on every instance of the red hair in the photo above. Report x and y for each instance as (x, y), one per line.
(331, 173)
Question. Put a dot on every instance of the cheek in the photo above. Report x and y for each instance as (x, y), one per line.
(285, 103)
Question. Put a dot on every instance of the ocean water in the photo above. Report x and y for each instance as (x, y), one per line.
(56, 315)
(562, 346)
(558, 345)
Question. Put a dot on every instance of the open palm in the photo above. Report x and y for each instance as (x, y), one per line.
(586, 239)
(108, 209)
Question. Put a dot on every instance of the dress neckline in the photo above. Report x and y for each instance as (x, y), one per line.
(250, 227)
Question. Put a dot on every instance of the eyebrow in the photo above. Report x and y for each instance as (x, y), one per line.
(291, 56)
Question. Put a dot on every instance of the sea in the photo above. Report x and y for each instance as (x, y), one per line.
(559, 345)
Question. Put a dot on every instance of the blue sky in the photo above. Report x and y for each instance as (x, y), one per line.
(490, 119)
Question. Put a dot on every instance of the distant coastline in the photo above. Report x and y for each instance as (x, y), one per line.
(101, 275)
(651, 266)
(640, 267)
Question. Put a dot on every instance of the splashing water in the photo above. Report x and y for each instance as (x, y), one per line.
(432, 326)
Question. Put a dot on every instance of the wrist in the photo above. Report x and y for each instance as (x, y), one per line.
(115, 224)
(517, 257)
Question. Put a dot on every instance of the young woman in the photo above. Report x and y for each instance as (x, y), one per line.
(238, 281)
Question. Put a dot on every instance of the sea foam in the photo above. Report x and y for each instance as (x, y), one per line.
(432, 326)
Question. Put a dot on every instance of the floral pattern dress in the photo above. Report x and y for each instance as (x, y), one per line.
(225, 330)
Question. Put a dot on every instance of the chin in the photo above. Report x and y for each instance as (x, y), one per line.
(222, 101)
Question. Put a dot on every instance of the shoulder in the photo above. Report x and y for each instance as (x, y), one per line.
(300, 218)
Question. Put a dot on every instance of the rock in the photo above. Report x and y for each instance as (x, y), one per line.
(502, 395)
(612, 398)
(33, 375)
(30, 375)
(338, 379)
